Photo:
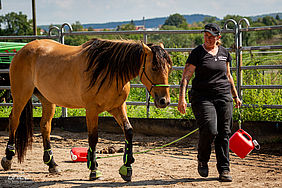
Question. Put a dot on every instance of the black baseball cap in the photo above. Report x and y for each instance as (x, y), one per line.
(213, 29)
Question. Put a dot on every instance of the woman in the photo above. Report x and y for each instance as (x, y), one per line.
(211, 99)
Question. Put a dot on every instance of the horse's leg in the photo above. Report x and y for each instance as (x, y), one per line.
(20, 102)
(92, 127)
(48, 111)
(120, 115)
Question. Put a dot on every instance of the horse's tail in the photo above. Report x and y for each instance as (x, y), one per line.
(24, 131)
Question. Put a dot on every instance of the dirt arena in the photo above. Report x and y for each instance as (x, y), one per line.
(173, 166)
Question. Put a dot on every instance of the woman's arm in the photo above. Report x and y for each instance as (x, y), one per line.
(233, 88)
(186, 77)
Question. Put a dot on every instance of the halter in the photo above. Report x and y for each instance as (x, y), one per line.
(152, 84)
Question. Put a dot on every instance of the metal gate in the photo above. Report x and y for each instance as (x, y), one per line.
(238, 48)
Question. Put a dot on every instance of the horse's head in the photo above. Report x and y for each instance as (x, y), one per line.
(154, 73)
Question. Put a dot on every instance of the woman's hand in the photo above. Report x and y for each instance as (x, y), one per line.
(238, 102)
(182, 104)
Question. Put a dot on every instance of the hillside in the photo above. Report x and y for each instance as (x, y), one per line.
(156, 22)
(254, 18)
(149, 23)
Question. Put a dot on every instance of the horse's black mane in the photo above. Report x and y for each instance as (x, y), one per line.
(118, 59)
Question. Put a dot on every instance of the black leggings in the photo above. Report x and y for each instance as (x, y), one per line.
(214, 119)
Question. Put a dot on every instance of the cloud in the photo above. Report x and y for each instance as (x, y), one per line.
(65, 4)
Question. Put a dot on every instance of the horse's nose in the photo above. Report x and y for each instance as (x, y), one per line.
(164, 102)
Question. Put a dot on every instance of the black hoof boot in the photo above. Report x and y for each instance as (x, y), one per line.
(95, 174)
(54, 170)
(125, 172)
(6, 164)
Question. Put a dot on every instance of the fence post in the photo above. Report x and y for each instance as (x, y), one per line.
(240, 40)
(237, 53)
(62, 41)
(54, 28)
(147, 93)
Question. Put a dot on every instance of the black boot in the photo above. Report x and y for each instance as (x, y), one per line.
(224, 176)
(203, 169)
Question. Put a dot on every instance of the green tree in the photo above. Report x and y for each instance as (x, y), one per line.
(15, 24)
(266, 21)
(237, 18)
(77, 26)
(228, 39)
(127, 27)
(176, 20)
(76, 40)
(209, 20)
(269, 20)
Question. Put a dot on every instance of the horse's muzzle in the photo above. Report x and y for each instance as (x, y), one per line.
(162, 102)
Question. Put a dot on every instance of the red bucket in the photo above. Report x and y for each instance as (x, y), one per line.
(241, 143)
(79, 154)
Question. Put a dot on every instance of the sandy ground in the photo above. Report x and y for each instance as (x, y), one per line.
(173, 166)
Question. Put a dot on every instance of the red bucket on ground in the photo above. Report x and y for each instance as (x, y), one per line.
(79, 154)
(241, 143)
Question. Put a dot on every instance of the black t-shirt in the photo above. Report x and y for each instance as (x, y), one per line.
(210, 73)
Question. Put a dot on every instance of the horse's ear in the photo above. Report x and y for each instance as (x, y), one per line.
(162, 45)
(146, 48)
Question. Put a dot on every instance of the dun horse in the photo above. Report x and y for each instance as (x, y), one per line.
(94, 76)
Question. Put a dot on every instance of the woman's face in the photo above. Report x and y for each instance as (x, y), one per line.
(210, 40)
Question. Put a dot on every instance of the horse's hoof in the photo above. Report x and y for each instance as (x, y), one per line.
(54, 170)
(125, 172)
(6, 164)
(95, 174)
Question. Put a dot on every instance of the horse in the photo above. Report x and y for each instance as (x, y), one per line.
(96, 76)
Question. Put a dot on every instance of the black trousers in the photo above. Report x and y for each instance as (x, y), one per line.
(214, 119)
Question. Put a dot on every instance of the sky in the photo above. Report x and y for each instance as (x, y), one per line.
(102, 11)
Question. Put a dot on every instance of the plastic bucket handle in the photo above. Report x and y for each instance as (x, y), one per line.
(256, 144)
(74, 157)
(245, 134)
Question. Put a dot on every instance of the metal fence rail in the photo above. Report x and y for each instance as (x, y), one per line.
(28, 37)
(249, 48)
(237, 31)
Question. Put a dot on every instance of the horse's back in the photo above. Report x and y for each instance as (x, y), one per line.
(27, 56)
(46, 47)
(53, 68)
(43, 55)
(59, 73)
